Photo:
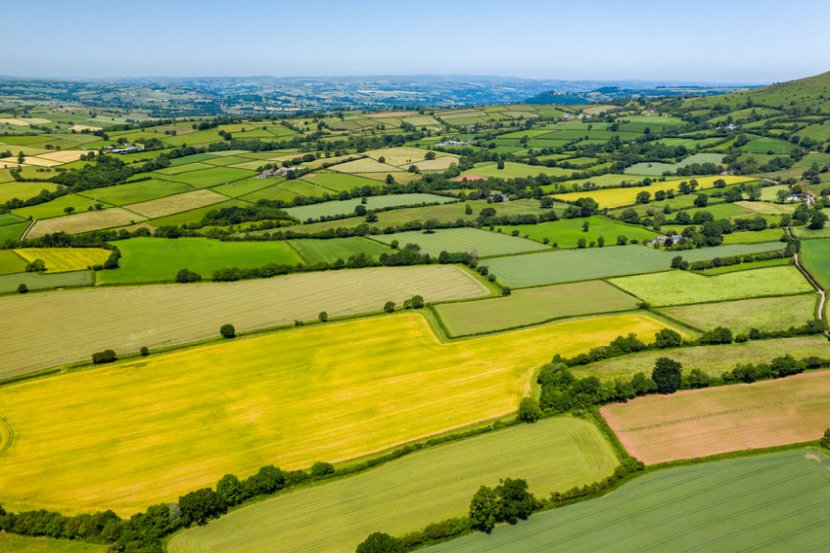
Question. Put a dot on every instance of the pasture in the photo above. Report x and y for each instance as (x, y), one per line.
(682, 287)
(713, 360)
(169, 205)
(771, 502)
(23, 190)
(13, 543)
(211, 177)
(591, 263)
(56, 207)
(59, 260)
(347, 207)
(44, 326)
(815, 256)
(566, 233)
(85, 221)
(481, 243)
(159, 259)
(617, 197)
(10, 262)
(332, 249)
(289, 398)
(699, 423)
(134, 192)
(777, 313)
(405, 495)
(38, 281)
(532, 306)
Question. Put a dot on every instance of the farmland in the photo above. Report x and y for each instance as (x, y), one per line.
(532, 306)
(567, 233)
(201, 255)
(592, 263)
(553, 455)
(682, 287)
(347, 207)
(18, 544)
(332, 249)
(59, 260)
(146, 442)
(127, 318)
(816, 258)
(692, 423)
(771, 502)
(39, 281)
(776, 313)
(481, 243)
(713, 360)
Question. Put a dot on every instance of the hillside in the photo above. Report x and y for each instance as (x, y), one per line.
(811, 94)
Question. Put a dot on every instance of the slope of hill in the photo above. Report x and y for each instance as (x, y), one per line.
(811, 94)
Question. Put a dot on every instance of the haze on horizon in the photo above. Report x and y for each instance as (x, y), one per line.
(712, 41)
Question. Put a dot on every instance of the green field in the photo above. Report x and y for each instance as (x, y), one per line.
(592, 263)
(657, 169)
(332, 249)
(133, 192)
(723, 269)
(566, 233)
(767, 235)
(406, 495)
(531, 306)
(10, 262)
(12, 543)
(12, 231)
(56, 207)
(211, 177)
(159, 259)
(340, 182)
(713, 360)
(770, 503)
(479, 242)
(347, 207)
(769, 145)
(815, 255)
(779, 313)
(38, 281)
(683, 287)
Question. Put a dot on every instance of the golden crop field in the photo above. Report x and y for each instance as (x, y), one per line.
(85, 221)
(177, 203)
(59, 260)
(43, 328)
(136, 433)
(618, 197)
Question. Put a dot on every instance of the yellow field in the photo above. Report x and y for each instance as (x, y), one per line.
(365, 165)
(59, 260)
(85, 221)
(63, 156)
(137, 433)
(617, 197)
(161, 207)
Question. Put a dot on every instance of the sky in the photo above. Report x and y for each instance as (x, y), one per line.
(736, 41)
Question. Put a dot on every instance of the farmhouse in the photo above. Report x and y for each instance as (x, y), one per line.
(454, 143)
(665, 240)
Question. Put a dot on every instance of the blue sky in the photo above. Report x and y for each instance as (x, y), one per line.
(701, 40)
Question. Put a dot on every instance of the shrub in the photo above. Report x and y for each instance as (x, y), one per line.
(719, 335)
(144, 351)
(825, 440)
(186, 275)
(323, 316)
(22, 288)
(415, 302)
(389, 307)
(201, 506)
(36, 266)
(106, 356)
(378, 542)
(227, 331)
(229, 489)
(321, 470)
(667, 338)
(529, 410)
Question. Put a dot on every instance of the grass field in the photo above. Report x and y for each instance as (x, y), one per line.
(698, 423)
(134, 192)
(288, 398)
(38, 281)
(479, 242)
(347, 207)
(815, 255)
(23, 190)
(339, 182)
(745, 266)
(10, 262)
(12, 231)
(552, 455)
(56, 207)
(740, 316)
(768, 235)
(713, 360)
(169, 205)
(566, 233)
(683, 287)
(532, 306)
(59, 260)
(767, 503)
(591, 263)
(43, 327)
(332, 249)
(513, 170)
(617, 197)
(159, 259)
(211, 177)
(12, 543)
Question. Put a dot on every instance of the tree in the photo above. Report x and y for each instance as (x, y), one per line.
(22, 288)
(229, 489)
(144, 351)
(360, 210)
(546, 202)
(585, 226)
(483, 509)
(201, 506)
(643, 197)
(702, 200)
(36, 266)
(415, 302)
(322, 470)
(227, 331)
(390, 179)
(429, 155)
(106, 356)
(529, 410)
(381, 159)
(825, 440)
(323, 316)
(817, 220)
(68, 209)
(515, 502)
(378, 542)
(500, 164)
(667, 375)
(267, 480)
(667, 338)
(718, 335)
(185, 275)
(389, 306)
(468, 209)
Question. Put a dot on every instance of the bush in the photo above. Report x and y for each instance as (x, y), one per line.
(227, 331)
(415, 302)
(323, 316)
(144, 351)
(825, 440)
(719, 335)
(321, 470)
(106, 356)
(229, 489)
(378, 542)
(36, 266)
(529, 410)
(186, 275)
(22, 288)
(389, 307)
(666, 375)
(201, 506)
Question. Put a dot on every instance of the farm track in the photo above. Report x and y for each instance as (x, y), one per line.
(822, 294)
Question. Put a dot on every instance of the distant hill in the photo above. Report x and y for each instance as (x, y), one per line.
(558, 98)
(811, 94)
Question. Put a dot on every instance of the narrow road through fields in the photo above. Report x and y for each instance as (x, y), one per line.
(822, 294)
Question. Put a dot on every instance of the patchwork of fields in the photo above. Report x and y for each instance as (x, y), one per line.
(552, 455)
(699, 423)
(772, 502)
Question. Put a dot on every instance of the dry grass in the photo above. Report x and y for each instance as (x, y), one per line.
(365, 165)
(42, 330)
(177, 203)
(699, 423)
(133, 434)
(84, 222)
(63, 156)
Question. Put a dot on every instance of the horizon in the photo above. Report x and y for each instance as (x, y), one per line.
(729, 44)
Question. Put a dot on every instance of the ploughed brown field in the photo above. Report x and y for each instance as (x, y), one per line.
(700, 423)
